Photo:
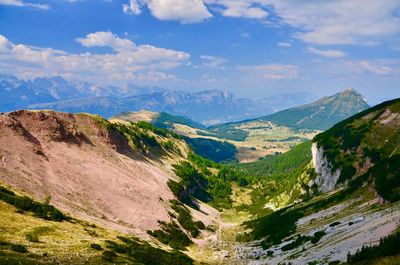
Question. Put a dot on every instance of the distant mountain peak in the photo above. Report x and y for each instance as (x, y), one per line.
(323, 113)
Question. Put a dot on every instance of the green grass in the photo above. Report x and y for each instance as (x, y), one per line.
(279, 164)
(170, 234)
(166, 120)
(141, 252)
(185, 219)
(24, 203)
(226, 131)
(214, 150)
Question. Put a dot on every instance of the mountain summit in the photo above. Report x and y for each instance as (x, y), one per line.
(321, 114)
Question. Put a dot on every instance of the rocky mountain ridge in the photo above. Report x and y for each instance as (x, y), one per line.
(209, 106)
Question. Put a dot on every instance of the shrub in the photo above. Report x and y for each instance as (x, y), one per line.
(19, 248)
(96, 246)
(171, 235)
(108, 255)
(300, 240)
(144, 253)
(200, 225)
(169, 145)
(185, 218)
(317, 237)
(31, 237)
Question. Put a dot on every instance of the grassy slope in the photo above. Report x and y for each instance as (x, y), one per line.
(321, 114)
(369, 141)
(277, 177)
(381, 135)
(70, 242)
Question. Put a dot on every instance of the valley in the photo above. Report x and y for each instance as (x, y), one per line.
(292, 207)
(199, 132)
(263, 136)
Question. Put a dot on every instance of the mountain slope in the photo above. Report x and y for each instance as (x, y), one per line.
(321, 114)
(161, 119)
(213, 149)
(344, 197)
(366, 145)
(90, 167)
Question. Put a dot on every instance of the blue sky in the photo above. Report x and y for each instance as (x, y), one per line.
(253, 48)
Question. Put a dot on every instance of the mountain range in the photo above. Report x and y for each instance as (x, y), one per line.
(208, 107)
(249, 140)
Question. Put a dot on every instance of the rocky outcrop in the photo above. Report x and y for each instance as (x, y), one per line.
(326, 178)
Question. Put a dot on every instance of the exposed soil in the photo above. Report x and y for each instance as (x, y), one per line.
(87, 170)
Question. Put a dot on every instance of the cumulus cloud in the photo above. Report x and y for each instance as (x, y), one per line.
(192, 11)
(184, 11)
(23, 4)
(272, 71)
(106, 39)
(327, 53)
(127, 62)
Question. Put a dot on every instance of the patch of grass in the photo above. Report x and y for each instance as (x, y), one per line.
(185, 219)
(41, 210)
(109, 255)
(143, 253)
(266, 226)
(300, 240)
(170, 234)
(95, 246)
(35, 234)
(214, 150)
(19, 248)
(32, 237)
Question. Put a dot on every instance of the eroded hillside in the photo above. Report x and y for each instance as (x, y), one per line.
(90, 167)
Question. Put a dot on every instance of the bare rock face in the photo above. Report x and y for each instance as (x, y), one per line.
(326, 178)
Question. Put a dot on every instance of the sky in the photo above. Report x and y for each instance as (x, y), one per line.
(252, 48)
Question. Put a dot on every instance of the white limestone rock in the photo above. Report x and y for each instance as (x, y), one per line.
(326, 178)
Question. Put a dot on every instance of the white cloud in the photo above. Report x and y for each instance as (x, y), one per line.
(184, 11)
(361, 22)
(340, 21)
(127, 62)
(239, 8)
(23, 4)
(375, 67)
(106, 39)
(212, 61)
(327, 53)
(192, 11)
(272, 71)
(132, 8)
(284, 44)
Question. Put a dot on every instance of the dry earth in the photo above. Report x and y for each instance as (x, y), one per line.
(87, 170)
